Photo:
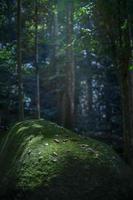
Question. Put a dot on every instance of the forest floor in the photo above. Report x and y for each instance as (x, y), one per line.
(41, 160)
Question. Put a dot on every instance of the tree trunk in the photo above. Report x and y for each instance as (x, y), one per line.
(69, 95)
(36, 62)
(19, 63)
(131, 112)
(126, 116)
(56, 64)
(124, 62)
(131, 85)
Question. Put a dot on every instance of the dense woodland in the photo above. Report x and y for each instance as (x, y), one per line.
(69, 62)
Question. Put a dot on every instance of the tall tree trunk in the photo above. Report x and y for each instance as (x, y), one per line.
(124, 62)
(69, 96)
(54, 40)
(56, 62)
(36, 62)
(131, 115)
(131, 84)
(19, 62)
(126, 113)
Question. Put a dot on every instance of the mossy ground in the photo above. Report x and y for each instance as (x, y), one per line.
(40, 160)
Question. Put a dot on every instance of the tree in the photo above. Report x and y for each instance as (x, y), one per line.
(69, 95)
(19, 62)
(115, 25)
(37, 60)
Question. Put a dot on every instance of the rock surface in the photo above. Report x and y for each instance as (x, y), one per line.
(40, 160)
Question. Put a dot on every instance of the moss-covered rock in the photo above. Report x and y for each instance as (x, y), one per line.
(40, 160)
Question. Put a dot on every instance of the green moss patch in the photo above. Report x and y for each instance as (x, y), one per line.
(41, 160)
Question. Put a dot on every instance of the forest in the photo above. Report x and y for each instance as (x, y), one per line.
(66, 99)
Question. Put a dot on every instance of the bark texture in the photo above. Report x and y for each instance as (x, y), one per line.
(69, 95)
(37, 62)
(19, 62)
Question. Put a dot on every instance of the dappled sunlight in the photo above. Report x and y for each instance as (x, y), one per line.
(66, 100)
(22, 129)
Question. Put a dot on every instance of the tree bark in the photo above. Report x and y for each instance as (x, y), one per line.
(19, 63)
(69, 96)
(124, 62)
(37, 62)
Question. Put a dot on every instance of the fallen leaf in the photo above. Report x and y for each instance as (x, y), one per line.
(56, 140)
(54, 160)
(65, 140)
(55, 154)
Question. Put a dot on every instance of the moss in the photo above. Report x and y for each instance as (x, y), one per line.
(41, 159)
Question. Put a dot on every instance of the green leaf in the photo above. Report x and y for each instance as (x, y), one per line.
(130, 68)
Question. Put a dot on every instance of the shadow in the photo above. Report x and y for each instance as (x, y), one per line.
(77, 181)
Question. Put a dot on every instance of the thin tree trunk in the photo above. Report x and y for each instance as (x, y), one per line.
(19, 63)
(36, 62)
(56, 62)
(131, 85)
(131, 117)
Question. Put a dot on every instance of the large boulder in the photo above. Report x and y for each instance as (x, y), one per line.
(40, 160)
